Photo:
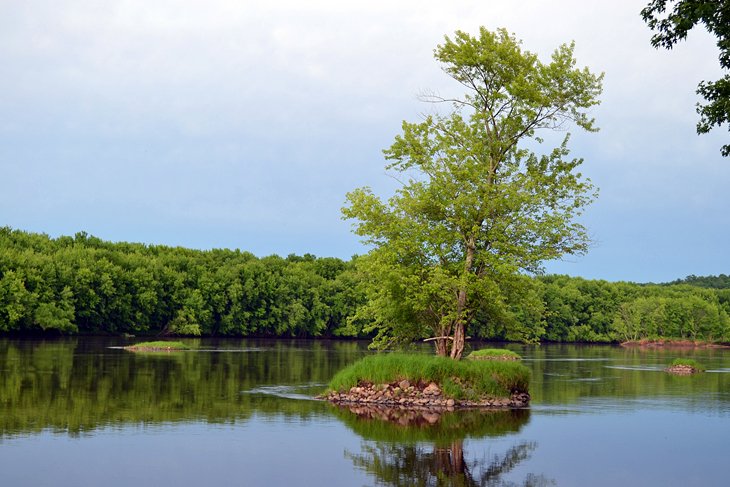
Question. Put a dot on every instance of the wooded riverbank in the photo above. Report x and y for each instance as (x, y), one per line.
(84, 285)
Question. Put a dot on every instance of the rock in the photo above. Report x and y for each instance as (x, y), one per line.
(450, 403)
(681, 369)
(432, 390)
(404, 384)
(431, 418)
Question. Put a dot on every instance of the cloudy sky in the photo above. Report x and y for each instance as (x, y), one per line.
(234, 124)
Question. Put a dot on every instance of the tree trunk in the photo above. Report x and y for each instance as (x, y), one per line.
(449, 463)
(442, 347)
(457, 457)
(457, 347)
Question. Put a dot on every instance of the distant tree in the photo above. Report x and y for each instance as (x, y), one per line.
(721, 281)
(477, 206)
(673, 27)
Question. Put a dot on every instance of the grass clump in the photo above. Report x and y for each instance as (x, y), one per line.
(158, 345)
(494, 354)
(687, 362)
(458, 379)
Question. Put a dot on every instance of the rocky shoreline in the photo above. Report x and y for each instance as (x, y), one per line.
(671, 343)
(422, 396)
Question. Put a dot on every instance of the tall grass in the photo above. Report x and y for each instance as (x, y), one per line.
(460, 379)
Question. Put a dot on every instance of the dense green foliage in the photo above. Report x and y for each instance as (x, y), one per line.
(458, 379)
(673, 26)
(83, 284)
(599, 311)
(478, 205)
(714, 282)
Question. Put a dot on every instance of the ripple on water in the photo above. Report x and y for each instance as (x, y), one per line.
(288, 392)
(647, 368)
(718, 371)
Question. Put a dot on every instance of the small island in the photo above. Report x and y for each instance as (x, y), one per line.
(494, 354)
(684, 366)
(158, 346)
(430, 382)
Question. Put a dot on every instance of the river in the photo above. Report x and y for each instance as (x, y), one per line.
(80, 411)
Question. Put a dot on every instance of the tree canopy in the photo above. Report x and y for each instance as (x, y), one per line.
(672, 27)
(478, 207)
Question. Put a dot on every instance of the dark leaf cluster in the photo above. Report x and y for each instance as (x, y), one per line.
(673, 26)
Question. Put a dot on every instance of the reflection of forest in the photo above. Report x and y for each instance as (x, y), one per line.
(75, 385)
(427, 448)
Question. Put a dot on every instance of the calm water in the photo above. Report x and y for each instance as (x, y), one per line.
(240, 412)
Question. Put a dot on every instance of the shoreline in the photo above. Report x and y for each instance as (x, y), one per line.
(426, 397)
(671, 343)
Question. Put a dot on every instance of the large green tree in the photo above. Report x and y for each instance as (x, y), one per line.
(477, 206)
(672, 27)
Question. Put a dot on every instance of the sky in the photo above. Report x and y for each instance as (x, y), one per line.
(241, 124)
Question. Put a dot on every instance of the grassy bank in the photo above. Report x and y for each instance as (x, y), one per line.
(462, 379)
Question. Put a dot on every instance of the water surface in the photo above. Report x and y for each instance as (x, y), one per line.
(241, 412)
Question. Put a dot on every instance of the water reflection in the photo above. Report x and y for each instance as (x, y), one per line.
(426, 447)
(77, 385)
(567, 374)
(240, 403)
(408, 465)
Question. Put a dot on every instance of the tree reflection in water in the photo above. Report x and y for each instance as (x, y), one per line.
(402, 449)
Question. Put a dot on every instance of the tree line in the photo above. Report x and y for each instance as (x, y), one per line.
(85, 285)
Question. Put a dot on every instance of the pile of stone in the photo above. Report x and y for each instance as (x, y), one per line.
(418, 396)
(681, 369)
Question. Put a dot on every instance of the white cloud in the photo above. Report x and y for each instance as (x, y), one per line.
(251, 112)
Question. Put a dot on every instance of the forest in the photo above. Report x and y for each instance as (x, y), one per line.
(85, 285)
